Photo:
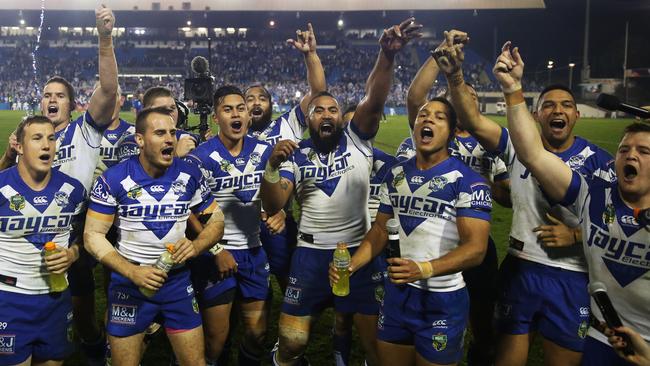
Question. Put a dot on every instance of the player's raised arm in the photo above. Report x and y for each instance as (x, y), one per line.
(553, 175)
(305, 42)
(275, 189)
(450, 56)
(393, 40)
(419, 89)
(102, 102)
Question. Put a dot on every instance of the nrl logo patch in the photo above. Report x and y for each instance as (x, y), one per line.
(61, 199)
(225, 165)
(609, 215)
(439, 341)
(178, 187)
(311, 155)
(582, 330)
(437, 183)
(398, 179)
(17, 202)
(134, 192)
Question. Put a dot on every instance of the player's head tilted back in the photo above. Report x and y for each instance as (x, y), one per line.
(36, 144)
(633, 161)
(58, 100)
(159, 96)
(325, 121)
(258, 101)
(155, 134)
(557, 113)
(231, 113)
(434, 126)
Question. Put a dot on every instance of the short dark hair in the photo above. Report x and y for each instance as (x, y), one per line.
(30, 120)
(69, 88)
(321, 94)
(350, 108)
(555, 87)
(223, 92)
(141, 118)
(153, 93)
(637, 127)
(258, 85)
(453, 118)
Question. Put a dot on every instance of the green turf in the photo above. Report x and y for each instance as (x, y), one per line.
(604, 132)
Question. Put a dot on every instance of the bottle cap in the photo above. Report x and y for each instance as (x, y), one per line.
(50, 245)
(341, 245)
(170, 248)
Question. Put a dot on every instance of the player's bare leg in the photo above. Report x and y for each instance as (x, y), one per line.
(395, 354)
(216, 322)
(555, 354)
(293, 332)
(126, 351)
(188, 346)
(254, 318)
(367, 328)
(512, 349)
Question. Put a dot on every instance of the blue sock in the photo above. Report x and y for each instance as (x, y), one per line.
(342, 347)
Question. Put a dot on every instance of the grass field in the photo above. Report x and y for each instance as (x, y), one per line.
(604, 132)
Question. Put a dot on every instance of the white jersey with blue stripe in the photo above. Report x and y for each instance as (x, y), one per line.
(332, 190)
(381, 164)
(150, 212)
(289, 126)
(77, 149)
(108, 150)
(28, 220)
(617, 249)
(235, 183)
(427, 204)
(470, 151)
(530, 204)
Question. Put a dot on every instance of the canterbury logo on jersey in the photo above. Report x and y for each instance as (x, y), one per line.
(421, 206)
(170, 211)
(321, 173)
(157, 189)
(243, 182)
(628, 252)
(40, 200)
(36, 224)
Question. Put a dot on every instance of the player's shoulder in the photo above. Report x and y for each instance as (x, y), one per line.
(121, 169)
(184, 166)
(59, 179)
(255, 143)
(468, 175)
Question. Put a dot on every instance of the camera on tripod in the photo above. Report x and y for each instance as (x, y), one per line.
(200, 90)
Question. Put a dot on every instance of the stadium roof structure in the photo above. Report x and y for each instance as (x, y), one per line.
(276, 5)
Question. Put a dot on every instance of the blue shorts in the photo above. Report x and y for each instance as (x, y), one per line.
(130, 312)
(309, 291)
(597, 353)
(251, 280)
(36, 325)
(434, 322)
(535, 297)
(280, 247)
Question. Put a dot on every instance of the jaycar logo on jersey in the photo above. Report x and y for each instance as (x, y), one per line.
(7, 344)
(437, 183)
(40, 200)
(61, 198)
(124, 314)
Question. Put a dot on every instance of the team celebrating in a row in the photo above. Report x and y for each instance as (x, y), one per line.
(105, 191)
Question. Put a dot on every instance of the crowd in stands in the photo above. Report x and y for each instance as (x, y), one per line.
(235, 60)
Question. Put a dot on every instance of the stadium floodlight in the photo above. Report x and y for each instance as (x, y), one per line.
(230, 30)
(189, 23)
(550, 62)
(572, 64)
(549, 66)
(340, 23)
(22, 22)
(272, 23)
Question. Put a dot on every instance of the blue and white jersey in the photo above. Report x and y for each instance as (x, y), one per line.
(28, 220)
(150, 212)
(530, 205)
(235, 183)
(127, 147)
(427, 204)
(289, 126)
(617, 250)
(470, 151)
(332, 190)
(381, 164)
(108, 149)
(77, 149)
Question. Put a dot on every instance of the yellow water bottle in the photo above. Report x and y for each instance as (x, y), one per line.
(165, 264)
(57, 282)
(342, 264)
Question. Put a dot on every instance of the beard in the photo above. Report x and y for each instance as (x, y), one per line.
(260, 122)
(327, 144)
